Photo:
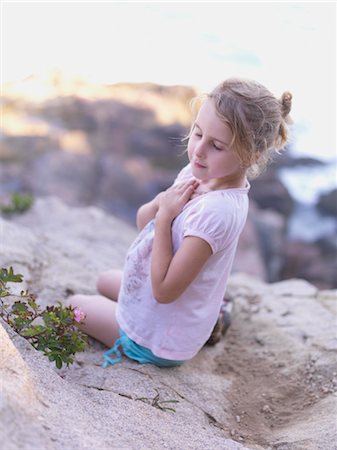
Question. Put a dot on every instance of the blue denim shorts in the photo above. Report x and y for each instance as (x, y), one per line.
(137, 352)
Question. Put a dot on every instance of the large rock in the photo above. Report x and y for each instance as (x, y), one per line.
(270, 230)
(269, 385)
(249, 256)
(327, 202)
(270, 193)
(314, 261)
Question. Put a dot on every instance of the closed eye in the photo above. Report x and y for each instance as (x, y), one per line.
(199, 135)
(215, 146)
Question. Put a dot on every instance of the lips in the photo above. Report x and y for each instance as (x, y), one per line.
(200, 166)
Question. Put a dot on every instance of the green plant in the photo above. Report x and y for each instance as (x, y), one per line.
(19, 203)
(57, 335)
(157, 403)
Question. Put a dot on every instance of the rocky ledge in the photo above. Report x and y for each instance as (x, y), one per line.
(269, 384)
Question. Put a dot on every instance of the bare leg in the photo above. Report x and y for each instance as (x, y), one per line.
(100, 321)
(109, 283)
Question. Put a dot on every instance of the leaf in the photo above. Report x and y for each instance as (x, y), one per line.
(4, 293)
(59, 338)
(58, 362)
(20, 203)
(7, 277)
(32, 303)
(34, 331)
(169, 401)
(167, 409)
(19, 307)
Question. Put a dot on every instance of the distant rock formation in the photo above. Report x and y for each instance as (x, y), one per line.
(327, 202)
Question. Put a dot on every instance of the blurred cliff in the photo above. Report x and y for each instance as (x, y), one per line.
(116, 146)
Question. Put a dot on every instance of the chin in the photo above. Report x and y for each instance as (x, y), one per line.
(197, 175)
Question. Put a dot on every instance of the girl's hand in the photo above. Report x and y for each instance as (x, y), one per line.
(172, 201)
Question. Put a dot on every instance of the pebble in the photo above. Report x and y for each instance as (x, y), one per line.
(266, 409)
(238, 419)
(232, 432)
(259, 340)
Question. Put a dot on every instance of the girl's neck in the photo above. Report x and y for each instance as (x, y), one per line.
(216, 184)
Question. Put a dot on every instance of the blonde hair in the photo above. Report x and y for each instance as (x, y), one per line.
(258, 121)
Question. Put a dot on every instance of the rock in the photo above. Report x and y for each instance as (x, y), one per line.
(237, 395)
(50, 252)
(249, 258)
(269, 193)
(327, 203)
(286, 159)
(328, 298)
(123, 186)
(290, 288)
(270, 229)
(20, 408)
(22, 149)
(72, 176)
(312, 261)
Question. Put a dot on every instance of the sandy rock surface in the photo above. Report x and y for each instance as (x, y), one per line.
(270, 384)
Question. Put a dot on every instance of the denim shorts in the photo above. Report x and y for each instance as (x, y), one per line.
(137, 352)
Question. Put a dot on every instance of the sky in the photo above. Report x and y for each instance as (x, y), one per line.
(283, 45)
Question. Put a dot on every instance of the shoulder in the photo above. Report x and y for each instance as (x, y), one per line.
(216, 217)
(217, 204)
(184, 174)
(207, 220)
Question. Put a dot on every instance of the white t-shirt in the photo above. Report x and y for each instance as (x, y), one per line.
(179, 329)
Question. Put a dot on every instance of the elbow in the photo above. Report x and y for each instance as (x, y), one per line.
(139, 221)
(163, 297)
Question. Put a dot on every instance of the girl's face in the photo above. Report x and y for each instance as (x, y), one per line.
(209, 149)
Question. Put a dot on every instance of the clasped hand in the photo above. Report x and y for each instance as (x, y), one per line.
(172, 201)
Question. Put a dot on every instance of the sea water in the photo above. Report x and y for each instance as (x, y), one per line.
(306, 184)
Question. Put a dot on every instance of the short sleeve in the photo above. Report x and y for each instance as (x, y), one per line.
(208, 224)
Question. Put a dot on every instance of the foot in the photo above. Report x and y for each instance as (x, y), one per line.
(223, 322)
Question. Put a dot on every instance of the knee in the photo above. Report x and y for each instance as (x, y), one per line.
(74, 301)
(102, 280)
(108, 283)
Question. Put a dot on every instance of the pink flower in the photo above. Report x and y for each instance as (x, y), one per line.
(78, 315)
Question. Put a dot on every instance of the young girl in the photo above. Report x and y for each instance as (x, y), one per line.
(175, 274)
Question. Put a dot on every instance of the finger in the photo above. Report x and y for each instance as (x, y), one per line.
(189, 185)
(187, 193)
(186, 184)
(193, 184)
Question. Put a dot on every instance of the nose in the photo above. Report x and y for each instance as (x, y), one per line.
(200, 150)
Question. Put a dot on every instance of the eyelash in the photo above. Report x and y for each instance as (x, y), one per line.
(217, 148)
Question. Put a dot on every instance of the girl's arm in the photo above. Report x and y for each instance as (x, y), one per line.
(172, 274)
(147, 212)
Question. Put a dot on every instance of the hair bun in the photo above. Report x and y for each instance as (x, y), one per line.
(286, 103)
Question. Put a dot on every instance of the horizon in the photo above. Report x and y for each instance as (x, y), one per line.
(176, 41)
